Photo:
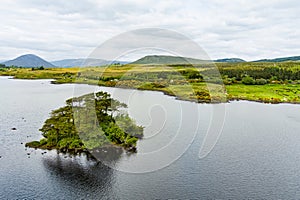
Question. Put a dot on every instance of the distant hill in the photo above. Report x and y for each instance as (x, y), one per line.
(81, 62)
(28, 60)
(284, 59)
(230, 60)
(161, 59)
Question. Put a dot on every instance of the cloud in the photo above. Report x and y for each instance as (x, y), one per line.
(56, 29)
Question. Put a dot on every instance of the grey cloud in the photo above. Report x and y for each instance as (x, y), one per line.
(60, 28)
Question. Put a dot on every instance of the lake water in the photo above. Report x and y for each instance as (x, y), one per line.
(257, 155)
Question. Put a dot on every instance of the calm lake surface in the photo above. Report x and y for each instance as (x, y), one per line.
(257, 155)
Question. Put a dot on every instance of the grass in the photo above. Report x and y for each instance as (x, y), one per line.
(272, 93)
(28, 73)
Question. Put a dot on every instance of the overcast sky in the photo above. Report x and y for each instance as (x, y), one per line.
(56, 29)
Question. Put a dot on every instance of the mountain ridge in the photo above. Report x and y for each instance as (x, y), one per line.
(281, 59)
(31, 60)
(164, 59)
(28, 60)
(81, 62)
(230, 60)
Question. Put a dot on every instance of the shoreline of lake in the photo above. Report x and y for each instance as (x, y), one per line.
(168, 93)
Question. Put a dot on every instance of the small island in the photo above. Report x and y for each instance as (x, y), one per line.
(89, 122)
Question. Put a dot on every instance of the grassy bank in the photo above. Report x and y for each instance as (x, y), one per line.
(269, 93)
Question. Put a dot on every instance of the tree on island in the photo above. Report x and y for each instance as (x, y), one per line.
(89, 122)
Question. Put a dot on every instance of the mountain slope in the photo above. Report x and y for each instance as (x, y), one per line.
(28, 60)
(230, 60)
(90, 62)
(283, 59)
(161, 59)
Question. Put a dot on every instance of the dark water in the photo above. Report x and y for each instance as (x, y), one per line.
(256, 157)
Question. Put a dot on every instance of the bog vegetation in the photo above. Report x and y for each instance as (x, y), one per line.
(256, 81)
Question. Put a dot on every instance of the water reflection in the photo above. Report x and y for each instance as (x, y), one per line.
(87, 177)
(108, 155)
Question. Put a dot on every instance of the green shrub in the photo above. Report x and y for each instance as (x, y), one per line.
(131, 141)
(76, 144)
(33, 144)
(248, 80)
(64, 143)
(260, 81)
(43, 141)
